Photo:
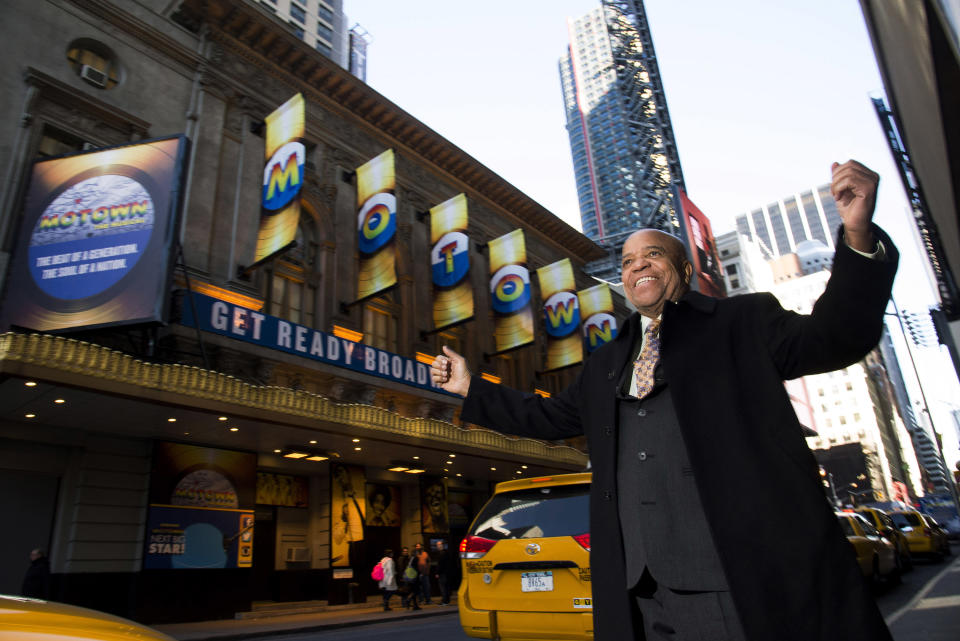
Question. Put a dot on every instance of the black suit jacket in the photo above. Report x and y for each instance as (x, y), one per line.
(791, 572)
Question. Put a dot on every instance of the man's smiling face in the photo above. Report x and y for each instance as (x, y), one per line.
(654, 269)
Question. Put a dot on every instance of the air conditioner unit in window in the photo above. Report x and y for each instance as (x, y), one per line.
(94, 76)
(298, 555)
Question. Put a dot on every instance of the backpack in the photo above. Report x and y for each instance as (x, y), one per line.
(377, 573)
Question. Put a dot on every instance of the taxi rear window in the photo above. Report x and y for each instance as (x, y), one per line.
(906, 519)
(562, 510)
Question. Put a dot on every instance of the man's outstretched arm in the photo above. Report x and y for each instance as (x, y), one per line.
(504, 409)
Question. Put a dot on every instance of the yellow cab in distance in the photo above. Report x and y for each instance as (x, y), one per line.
(923, 539)
(881, 520)
(526, 562)
(939, 534)
(875, 554)
(24, 619)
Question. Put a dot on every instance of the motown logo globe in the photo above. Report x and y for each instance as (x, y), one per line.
(283, 176)
(450, 259)
(510, 289)
(96, 237)
(90, 236)
(598, 329)
(561, 314)
(376, 222)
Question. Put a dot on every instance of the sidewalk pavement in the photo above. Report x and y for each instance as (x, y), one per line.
(934, 612)
(323, 617)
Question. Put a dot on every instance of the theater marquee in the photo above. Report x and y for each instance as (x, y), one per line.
(241, 323)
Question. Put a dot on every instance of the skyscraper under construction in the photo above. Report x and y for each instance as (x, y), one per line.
(624, 154)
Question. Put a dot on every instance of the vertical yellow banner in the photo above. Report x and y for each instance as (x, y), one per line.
(510, 291)
(596, 307)
(376, 225)
(561, 314)
(282, 178)
(450, 262)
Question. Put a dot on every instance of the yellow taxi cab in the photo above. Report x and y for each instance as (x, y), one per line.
(885, 525)
(941, 538)
(25, 619)
(526, 562)
(875, 554)
(922, 539)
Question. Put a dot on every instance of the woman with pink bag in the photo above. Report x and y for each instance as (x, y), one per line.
(388, 583)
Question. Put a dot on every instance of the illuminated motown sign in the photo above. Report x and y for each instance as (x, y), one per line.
(254, 327)
(91, 236)
(96, 236)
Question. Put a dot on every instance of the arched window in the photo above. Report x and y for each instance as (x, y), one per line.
(94, 62)
(291, 289)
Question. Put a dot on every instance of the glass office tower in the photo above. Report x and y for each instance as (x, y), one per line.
(785, 223)
(624, 154)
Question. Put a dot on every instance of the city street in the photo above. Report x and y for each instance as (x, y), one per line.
(925, 607)
(445, 628)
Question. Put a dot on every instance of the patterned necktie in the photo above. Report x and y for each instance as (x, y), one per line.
(646, 363)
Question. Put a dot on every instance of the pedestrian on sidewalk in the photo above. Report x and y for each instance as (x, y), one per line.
(443, 572)
(423, 567)
(36, 583)
(409, 580)
(402, 561)
(388, 584)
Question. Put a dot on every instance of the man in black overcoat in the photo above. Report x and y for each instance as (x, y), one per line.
(708, 517)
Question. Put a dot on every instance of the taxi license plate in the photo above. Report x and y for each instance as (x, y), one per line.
(536, 582)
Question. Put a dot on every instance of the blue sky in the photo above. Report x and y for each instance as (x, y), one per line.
(763, 97)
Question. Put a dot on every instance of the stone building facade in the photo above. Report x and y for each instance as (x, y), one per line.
(83, 413)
